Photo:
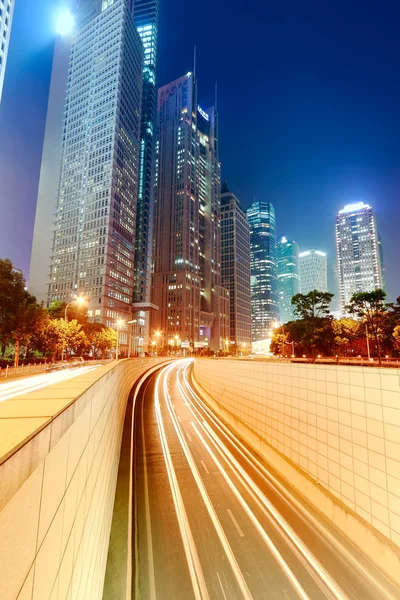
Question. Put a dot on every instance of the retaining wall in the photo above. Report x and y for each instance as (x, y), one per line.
(59, 456)
(337, 425)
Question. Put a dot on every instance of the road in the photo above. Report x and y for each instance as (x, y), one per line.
(212, 521)
(16, 387)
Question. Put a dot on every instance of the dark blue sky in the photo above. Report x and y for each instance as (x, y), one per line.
(309, 103)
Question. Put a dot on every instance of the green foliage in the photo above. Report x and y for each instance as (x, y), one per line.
(371, 308)
(313, 310)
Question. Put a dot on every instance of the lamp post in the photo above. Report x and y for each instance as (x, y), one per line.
(78, 300)
(118, 324)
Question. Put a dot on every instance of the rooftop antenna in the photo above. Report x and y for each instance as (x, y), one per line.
(194, 63)
(216, 95)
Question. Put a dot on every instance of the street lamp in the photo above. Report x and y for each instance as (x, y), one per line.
(77, 300)
(118, 324)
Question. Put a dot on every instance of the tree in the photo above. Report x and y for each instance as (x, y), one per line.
(371, 308)
(12, 294)
(104, 340)
(396, 337)
(313, 310)
(346, 332)
(25, 322)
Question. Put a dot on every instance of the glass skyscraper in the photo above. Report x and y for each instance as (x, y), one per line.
(288, 276)
(186, 283)
(359, 251)
(313, 271)
(235, 269)
(264, 269)
(95, 208)
(6, 15)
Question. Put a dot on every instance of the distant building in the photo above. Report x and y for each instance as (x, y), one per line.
(6, 16)
(359, 251)
(288, 276)
(146, 14)
(263, 268)
(186, 281)
(97, 169)
(235, 269)
(313, 271)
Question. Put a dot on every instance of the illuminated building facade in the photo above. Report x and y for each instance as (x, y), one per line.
(263, 268)
(235, 269)
(313, 271)
(93, 238)
(6, 15)
(186, 282)
(288, 276)
(146, 14)
(359, 251)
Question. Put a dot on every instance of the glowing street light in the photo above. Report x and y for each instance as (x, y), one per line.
(65, 23)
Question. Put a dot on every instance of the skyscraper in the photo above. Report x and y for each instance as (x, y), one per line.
(95, 209)
(313, 271)
(6, 15)
(359, 254)
(146, 14)
(235, 269)
(263, 268)
(186, 284)
(288, 276)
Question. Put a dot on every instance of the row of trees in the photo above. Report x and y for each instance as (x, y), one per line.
(372, 327)
(29, 330)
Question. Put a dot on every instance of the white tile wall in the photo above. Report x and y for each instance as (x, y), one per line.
(340, 424)
(57, 496)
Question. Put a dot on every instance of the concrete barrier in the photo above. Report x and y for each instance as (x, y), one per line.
(59, 456)
(332, 432)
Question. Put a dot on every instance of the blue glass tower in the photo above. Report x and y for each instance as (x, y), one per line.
(263, 268)
(146, 18)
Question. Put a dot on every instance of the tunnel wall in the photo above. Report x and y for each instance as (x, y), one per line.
(59, 456)
(333, 432)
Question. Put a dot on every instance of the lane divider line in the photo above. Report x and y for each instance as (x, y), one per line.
(196, 573)
(206, 499)
(236, 524)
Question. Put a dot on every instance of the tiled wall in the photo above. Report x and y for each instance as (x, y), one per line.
(57, 491)
(340, 424)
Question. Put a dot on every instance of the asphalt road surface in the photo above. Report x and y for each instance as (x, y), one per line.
(213, 521)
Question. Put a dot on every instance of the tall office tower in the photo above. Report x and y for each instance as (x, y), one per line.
(235, 269)
(95, 209)
(358, 251)
(146, 18)
(288, 276)
(313, 271)
(6, 15)
(263, 269)
(186, 283)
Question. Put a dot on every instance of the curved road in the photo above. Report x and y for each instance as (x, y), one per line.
(212, 521)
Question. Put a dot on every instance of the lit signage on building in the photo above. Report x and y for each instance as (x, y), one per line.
(203, 113)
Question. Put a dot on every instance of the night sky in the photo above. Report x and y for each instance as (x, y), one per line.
(309, 104)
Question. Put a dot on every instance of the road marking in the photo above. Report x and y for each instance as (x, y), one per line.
(150, 556)
(196, 573)
(296, 584)
(205, 467)
(190, 439)
(236, 524)
(222, 587)
(207, 502)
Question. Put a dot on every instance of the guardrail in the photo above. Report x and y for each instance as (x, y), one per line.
(27, 370)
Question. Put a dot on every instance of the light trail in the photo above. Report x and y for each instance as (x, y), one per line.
(284, 493)
(206, 499)
(37, 382)
(273, 514)
(196, 573)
